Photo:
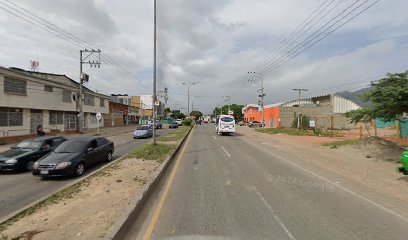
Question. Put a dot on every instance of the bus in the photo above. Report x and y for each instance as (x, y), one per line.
(225, 124)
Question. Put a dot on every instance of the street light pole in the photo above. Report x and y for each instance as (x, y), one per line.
(188, 96)
(154, 76)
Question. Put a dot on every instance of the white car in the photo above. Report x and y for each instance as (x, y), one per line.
(179, 122)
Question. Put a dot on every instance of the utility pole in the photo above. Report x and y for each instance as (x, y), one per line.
(188, 96)
(154, 75)
(228, 99)
(84, 77)
(300, 90)
(166, 96)
(261, 95)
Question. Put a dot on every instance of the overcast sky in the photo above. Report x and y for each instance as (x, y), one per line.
(213, 43)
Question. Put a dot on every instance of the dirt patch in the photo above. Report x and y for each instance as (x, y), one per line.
(100, 200)
(348, 162)
(380, 149)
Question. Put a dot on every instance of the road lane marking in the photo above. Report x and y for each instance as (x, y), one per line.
(274, 214)
(336, 184)
(214, 137)
(226, 152)
(155, 218)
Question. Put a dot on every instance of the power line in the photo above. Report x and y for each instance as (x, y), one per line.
(51, 28)
(309, 43)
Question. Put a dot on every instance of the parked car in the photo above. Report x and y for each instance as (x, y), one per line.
(241, 123)
(74, 156)
(143, 131)
(159, 125)
(22, 156)
(173, 125)
(254, 124)
(179, 122)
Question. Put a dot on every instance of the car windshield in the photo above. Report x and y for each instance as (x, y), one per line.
(227, 119)
(143, 128)
(70, 146)
(30, 144)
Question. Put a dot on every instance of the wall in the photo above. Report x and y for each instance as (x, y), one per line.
(271, 116)
(321, 115)
(37, 98)
(147, 101)
(136, 101)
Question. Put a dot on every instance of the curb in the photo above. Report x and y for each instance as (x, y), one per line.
(125, 221)
(21, 210)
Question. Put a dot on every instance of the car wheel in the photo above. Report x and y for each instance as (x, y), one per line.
(29, 166)
(109, 156)
(80, 169)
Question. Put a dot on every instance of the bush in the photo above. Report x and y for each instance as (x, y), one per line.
(187, 122)
(304, 122)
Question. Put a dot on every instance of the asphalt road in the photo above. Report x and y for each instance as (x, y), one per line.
(224, 187)
(17, 190)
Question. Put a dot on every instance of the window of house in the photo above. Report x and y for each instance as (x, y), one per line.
(102, 102)
(15, 86)
(89, 100)
(11, 117)
(92, 118)
(47, 88)
(66, 96)
(56, 117)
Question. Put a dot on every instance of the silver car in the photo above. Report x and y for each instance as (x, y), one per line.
(143, 131)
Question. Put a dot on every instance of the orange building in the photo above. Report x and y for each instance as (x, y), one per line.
(271, 114)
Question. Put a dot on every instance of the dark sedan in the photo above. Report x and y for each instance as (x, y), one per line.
(173, 125)
(74, 156)
(22, 156)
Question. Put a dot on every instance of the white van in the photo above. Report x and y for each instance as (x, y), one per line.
(225, 124)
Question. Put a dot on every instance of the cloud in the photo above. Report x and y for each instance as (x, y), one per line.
(212, 43)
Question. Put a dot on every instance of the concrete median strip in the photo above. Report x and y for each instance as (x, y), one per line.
(151, 174)
(119, 229)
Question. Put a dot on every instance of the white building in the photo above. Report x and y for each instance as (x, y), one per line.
(146, 101)
(29, 99)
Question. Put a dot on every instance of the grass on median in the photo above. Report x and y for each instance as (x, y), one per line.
(338, 144)
(157, 152)
(176, 135)
(296, 132)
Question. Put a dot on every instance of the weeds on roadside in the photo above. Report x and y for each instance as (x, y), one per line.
(338, 144)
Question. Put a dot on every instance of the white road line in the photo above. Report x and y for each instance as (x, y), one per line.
(274, 214)
(226, 152)
(333, 183)
(214, 137)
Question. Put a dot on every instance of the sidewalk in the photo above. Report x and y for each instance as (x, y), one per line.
(107, 132)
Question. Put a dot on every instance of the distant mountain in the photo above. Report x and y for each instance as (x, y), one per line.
(355, 96)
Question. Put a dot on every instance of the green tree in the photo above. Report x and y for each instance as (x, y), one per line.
(389, 99)
(177, 115)
(196, 114)
(166, 111)
(236, 108)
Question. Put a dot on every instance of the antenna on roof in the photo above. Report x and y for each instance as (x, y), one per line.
(34, 65)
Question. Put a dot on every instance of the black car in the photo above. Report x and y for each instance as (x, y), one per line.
(22, 156)
(73, 156)
(173, 125)
(159, 125)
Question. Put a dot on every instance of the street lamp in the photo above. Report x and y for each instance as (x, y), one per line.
(188, 95)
